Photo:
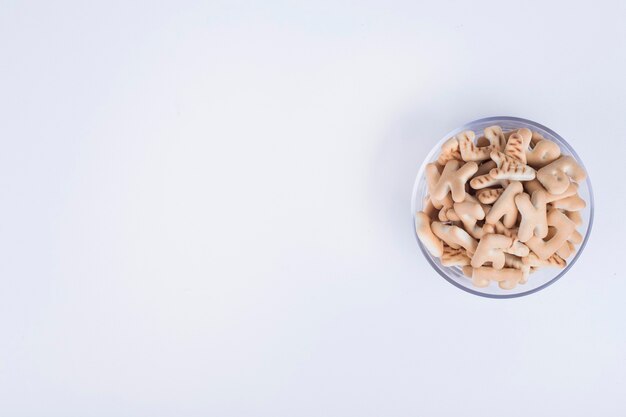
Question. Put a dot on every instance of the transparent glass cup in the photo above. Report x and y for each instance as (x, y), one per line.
(542, 277)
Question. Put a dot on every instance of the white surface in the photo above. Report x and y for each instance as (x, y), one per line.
(205, 209)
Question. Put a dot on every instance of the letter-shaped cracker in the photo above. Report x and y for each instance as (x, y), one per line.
(571, 203)
(491, 249)
(518, 249)
(449, 151)
(454, 257)
(526, 135)
(484, 168)
(534, 215)
(575, 217)
(576, 237)
(469, 151)
(496, 137)
(447, 214)
(507, 278)
(517, 145)
(505, 206)
(501, 229)
(554, 260)
(511, 261)
(471, 198)
(535, 137)
(489, 195)
(439, 204)
(469, 213)
(430, 210)
(426, 236)
(566, 250)
(535, 185)
(452, 179)
(542, 154)
(455, 237)
(510, 168)
(564, 228)
(498, 228)
(572, 190)
(432, 176)
(532, 186)
(484, 181)
(555, 177)
(489, 229)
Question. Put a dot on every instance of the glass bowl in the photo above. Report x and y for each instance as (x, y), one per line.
(542, 277)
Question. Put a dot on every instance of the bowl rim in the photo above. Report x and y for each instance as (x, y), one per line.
(421, 173)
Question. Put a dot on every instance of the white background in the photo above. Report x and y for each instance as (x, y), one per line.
(205, 209)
